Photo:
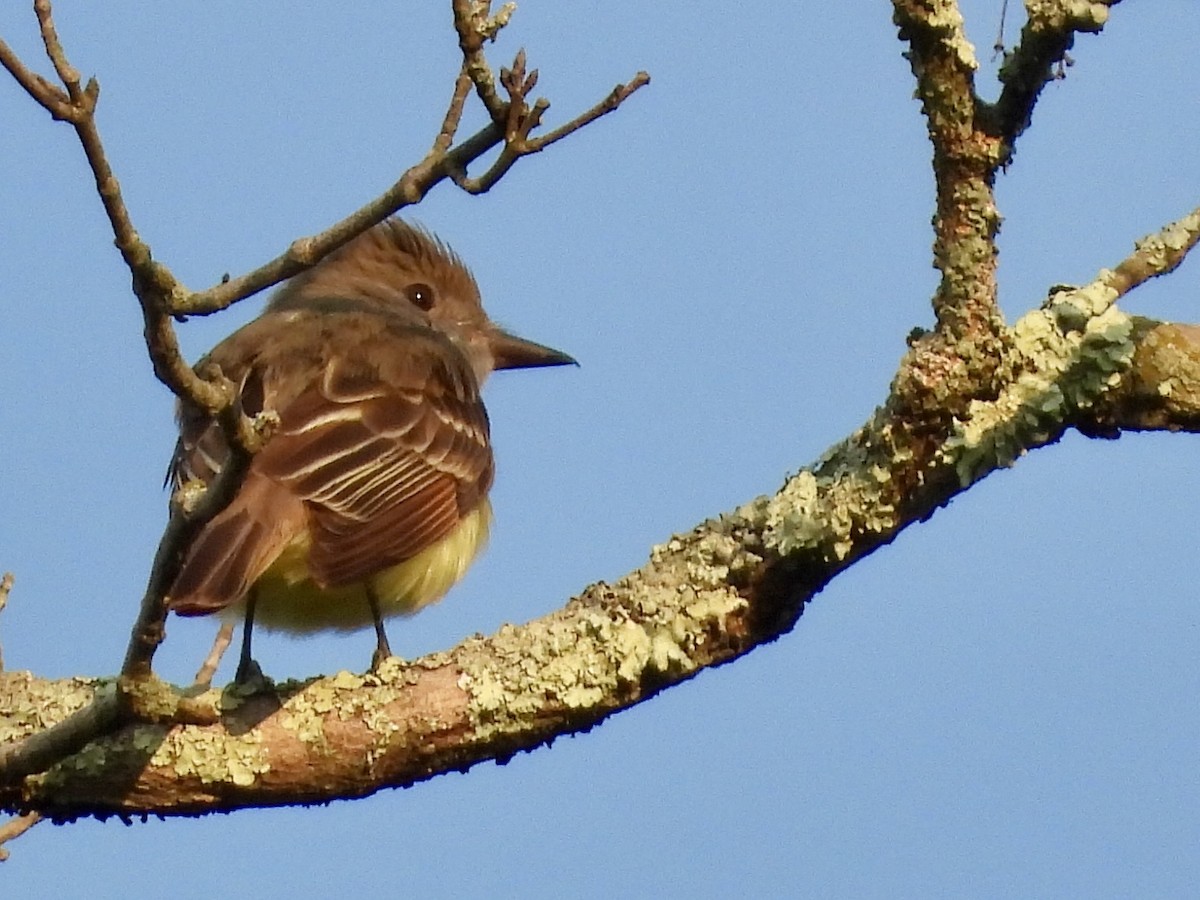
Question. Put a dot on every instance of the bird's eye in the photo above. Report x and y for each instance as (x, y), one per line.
(421, 296)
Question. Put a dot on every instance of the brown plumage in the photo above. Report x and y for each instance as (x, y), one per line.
(371, 494)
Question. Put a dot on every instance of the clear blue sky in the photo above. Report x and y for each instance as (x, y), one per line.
(1001, 704)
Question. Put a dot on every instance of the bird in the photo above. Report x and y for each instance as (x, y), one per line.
(369, 499)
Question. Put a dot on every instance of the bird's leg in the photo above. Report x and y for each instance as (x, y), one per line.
(382, 649)
(248, 672)
(208, 669)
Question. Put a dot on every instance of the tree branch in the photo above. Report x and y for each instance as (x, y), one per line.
(971, 398)
(475, 25)
(6, 585)
(163, 298)
(967, 351)
(1049, 32)
(968, 355)
(14, 828)
(703, 599)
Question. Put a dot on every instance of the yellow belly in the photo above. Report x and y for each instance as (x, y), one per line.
(287, 599)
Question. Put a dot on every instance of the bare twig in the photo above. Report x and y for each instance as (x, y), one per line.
(67, 73)
(149, 628)
(6, 583)
(998, 47)
(208, 668)
(475, 25)
(14, 828)
(616, 97)
(153, 283)
(53, 99)
(163, 299)
(445, 137)
(522, 119)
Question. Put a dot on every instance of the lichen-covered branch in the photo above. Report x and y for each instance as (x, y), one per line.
(964, 164)
(1049, 32)
(163, 299)
(967, 352)
(969, 356)
(971, 397)
(702, 599)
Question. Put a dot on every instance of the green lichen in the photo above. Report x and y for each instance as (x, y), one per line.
(825, 512)
(1162, 251)
(1167, 360)
(585, 659)
(1072, 351)
(29, 704)
(151, 699)
(213, 756)
(1064, 358)
(1060, 15)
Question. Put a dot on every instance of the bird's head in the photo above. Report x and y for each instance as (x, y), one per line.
(404, 268)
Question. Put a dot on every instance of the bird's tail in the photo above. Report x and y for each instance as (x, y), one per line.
(236, 547)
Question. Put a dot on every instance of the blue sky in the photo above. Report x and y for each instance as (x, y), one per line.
(1001, 703)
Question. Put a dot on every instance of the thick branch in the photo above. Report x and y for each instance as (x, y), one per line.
(703, 599)
(969, 347)
(163, 298)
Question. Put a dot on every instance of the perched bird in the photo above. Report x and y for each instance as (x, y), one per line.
(370, 498)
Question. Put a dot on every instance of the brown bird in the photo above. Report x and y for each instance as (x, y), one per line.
(370, 498)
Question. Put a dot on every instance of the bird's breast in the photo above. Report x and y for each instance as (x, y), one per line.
(288, 599)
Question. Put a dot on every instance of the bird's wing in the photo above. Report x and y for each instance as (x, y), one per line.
(387, 456)
(379, 455)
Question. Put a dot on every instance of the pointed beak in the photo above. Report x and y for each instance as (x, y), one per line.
(512, 352)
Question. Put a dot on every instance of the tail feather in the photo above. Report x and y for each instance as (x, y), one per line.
(236, 547)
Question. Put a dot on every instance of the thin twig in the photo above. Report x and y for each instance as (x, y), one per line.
(445, 137)
(149, 628)
(208, 668)
(522, 119)
(14, 828)
(54, 100)
(616, 97)
(410, 189)
(67, 73)
(153, 283)
(6, 583)
(475, 26)
(998, 47)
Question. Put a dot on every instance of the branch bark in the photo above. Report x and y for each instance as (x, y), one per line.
(163, 299)
(705, 598)
(971, 397)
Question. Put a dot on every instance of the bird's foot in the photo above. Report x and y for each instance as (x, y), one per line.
(249, 678)
(381, 655)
